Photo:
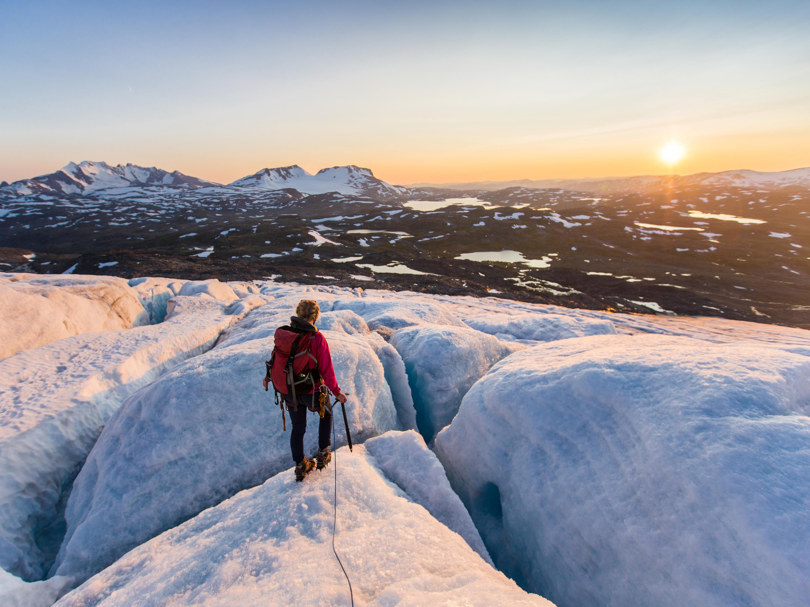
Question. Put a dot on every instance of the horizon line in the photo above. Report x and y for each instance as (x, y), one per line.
(419, 183)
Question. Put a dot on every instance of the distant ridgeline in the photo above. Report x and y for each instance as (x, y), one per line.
(733, 244)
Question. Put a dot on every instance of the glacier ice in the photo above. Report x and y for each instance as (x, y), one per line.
(194, 437)
(538, 327)
(442, 363)
(39, 309)
(271, 545)
(389, 313)
(55, 401)
(602, 458)
(642, 470)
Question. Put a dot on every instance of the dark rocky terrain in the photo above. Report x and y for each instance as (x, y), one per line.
(683, 247)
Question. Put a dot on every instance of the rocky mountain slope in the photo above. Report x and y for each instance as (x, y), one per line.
(90, 177)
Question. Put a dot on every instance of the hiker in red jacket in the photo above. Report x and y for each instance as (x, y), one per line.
(310, 351)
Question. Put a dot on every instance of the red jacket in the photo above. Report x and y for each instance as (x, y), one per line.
(320, 349)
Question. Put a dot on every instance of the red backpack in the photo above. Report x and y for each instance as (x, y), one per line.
(292, 366)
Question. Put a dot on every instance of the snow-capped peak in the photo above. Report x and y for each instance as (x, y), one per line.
(349, 180)
(88, 177)
(348, 170)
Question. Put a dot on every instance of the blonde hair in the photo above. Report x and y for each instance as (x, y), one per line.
(308, 310)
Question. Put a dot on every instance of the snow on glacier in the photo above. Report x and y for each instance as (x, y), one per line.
(211, 288)
(390, 313)
(272, 545)
(16, 593)
(642, 470)
(404, 460)
(535, 327)
(194, 437)
(38, 309)
(642, 460)
(54, 401)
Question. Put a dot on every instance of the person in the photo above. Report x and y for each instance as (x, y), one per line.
(306, 315)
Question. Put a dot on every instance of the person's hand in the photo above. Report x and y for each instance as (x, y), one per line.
(265, 382)
(341, 398)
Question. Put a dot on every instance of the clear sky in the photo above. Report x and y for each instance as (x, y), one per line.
(416, 91)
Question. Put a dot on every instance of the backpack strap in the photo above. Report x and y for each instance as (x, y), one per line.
(290, 373)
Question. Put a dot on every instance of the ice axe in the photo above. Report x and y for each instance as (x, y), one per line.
(346, 423)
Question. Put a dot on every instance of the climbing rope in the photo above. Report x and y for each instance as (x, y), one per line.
(334, 521)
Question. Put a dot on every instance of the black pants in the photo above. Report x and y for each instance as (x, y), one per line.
(298, 417)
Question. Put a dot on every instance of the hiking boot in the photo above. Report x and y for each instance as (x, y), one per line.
(323, 458)
(302, 468)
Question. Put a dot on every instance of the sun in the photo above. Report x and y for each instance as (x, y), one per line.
(672, 152)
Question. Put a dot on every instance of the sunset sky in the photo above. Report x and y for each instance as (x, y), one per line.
(416, 91)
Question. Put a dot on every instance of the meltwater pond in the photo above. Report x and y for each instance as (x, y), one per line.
(433, 205)
(509, 257)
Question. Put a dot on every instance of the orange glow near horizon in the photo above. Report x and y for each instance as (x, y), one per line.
(440, 162)
(439, 94)
(443, 164)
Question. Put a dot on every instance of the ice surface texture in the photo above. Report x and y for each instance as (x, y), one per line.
(539, 327)
(54, 401)
(196, 436)
(38, 309)
(632, 461)
(271, 545)
(644, 470)
(442, 363)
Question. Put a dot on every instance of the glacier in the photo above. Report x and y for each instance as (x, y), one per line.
(194, 437)
(38, 309)
(642, 464)
(594, 458)
(271, 545)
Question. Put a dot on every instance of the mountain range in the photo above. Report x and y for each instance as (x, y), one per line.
(89, 178)
(733, 244)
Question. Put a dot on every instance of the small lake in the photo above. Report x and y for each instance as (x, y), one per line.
(433, 205)
(508, 257)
